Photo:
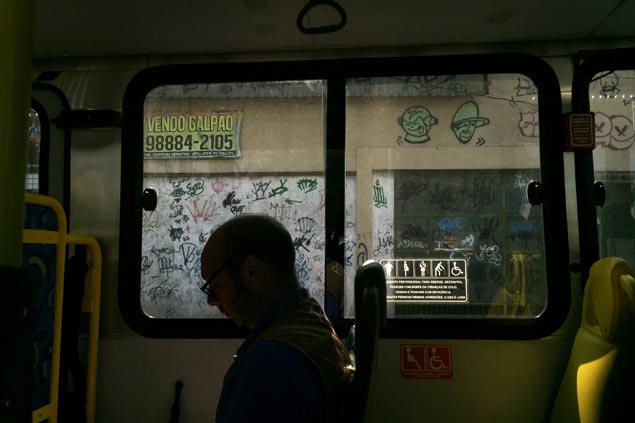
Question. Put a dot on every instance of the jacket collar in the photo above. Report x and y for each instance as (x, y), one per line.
(288, 300)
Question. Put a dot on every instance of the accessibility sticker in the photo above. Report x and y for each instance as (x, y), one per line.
(426, 361)
(426, 280)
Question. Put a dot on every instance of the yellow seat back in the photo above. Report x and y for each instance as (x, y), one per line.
(599, 382)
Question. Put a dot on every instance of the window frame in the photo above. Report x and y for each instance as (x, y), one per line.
(335, 72)
(56, 175)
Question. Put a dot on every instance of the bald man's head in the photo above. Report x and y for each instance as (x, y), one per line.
(251, 234)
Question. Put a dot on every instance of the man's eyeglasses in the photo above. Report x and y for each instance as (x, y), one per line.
(208, 288)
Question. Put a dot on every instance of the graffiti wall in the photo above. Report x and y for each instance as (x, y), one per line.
(611, 99)
(190, 207)
(446, 110)
(480, 217)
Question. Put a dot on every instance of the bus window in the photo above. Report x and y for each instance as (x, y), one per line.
(439, 166)
(611, 100)
(33, 153)
(53, 145)
(428, 175)
(215, 151)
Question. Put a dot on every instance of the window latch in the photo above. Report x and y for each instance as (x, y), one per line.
(149, 199)
(535, 193)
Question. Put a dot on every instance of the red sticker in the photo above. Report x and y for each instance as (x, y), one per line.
(426, 361)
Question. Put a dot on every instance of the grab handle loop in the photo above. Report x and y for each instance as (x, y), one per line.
(321, 29)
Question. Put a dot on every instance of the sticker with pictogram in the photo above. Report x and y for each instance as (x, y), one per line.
(423, 280)
(426, 362)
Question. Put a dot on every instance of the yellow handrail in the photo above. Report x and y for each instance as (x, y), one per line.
(91, 303)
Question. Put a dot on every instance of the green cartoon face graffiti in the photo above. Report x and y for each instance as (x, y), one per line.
(466, 120)
(417, 121)
(464, 130)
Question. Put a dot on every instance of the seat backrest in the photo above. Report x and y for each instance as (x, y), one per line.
(599, 382)
(370, 319)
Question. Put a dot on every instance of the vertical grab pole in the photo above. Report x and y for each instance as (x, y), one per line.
(16, 49)
(17, 19)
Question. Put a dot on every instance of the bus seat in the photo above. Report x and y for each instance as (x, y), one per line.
(599, 382)
(45, 244)
(16, 354)
(370, 319)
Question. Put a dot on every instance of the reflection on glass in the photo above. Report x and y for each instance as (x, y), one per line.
(611, 99)
(214, 151)
(438, 171)
(33, 153)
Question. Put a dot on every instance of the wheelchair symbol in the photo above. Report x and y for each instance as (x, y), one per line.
(435, 362)
(456, 270)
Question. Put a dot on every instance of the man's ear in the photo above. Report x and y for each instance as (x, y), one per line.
(252, 270)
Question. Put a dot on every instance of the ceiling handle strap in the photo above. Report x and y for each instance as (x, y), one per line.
(321, 29)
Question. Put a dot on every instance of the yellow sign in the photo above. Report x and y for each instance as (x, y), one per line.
(192, 134)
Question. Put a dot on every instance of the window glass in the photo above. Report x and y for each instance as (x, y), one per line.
(611, 99)
(33, 153)
(214, 151)
(438, 167)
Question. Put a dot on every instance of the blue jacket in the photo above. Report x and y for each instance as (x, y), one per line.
(289, 368)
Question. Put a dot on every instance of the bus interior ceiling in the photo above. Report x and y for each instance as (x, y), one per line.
(99, 46)
(70, 28)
